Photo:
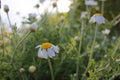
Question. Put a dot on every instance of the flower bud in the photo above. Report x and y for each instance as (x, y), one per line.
(6, 8)
(76, 38)
(54, 4)
(37, 6)
(22, 70)
(33, 27)
(32, 69)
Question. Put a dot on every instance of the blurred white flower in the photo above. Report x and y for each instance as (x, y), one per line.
(113, 37)
(97, 18)
(42, 1)
(97, 46)
(106, 31)
(33, 27)
(91, 3)
(83, 15)
(32, 69)
(47, 50)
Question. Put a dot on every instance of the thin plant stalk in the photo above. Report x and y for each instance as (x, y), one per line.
(92, 50)
(51, 70)
(9, 20)
(79, 51)
(102, 7)
(20, 42)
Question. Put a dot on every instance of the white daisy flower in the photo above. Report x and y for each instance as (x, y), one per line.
(97, 18)
(83, 15)
(47, 50)
(106, 31)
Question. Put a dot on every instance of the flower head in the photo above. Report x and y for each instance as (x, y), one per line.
(106, 31)
(47, 50)
(32, 69)
(37, 6)
(6, 8)
(54, 4)
(97, 18)
(84, 15)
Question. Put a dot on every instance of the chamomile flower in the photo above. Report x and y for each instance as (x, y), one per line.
(106, 31)
(97, 18)
(47, 50)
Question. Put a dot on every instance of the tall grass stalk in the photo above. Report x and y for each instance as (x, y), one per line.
(79, 50)
(91, 51)
(13, 54)
(102, 7)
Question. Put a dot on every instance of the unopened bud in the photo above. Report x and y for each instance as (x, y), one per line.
(32, 69)
(6, 8)
(54, 4)
(33, 27)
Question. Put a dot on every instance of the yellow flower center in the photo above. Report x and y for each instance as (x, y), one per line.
(98, 14)
(46, 45)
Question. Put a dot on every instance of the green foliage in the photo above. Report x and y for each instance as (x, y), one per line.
(103, 64)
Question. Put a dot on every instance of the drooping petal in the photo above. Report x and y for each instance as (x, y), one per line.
(51, 53)
(44, 53)
(55, 48)
(38, 46)
(40, 54)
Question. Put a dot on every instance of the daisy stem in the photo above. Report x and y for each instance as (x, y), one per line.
(91, 52)
(79, 51)
(51, 70)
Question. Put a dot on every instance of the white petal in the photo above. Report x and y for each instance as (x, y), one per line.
(55, 48)
(37, 46)
(45, 54)
(40, 54)
(51, 53)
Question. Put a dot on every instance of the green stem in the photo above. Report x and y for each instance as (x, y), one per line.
(51, 70)
(92, 50)
(79, 51)
(102, 7)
